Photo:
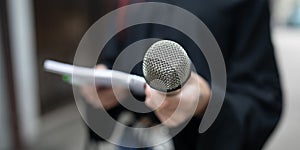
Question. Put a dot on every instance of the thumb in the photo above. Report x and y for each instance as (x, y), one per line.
(101, 67)
(153, 98)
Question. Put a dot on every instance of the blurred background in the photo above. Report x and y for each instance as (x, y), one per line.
(37, 109)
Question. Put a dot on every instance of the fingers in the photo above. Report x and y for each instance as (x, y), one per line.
(154, 99)
(174, 109)
(163, 105)
(108, 98)
(159, 100)
(91, 96)
(101, 67)
(104, 98)
(167, 120)
(101, 97)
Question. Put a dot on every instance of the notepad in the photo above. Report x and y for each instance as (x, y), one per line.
(82, 75)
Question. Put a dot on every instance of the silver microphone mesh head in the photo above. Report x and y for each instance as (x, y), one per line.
(166, 66)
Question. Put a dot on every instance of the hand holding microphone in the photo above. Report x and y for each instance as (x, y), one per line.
(173, 91)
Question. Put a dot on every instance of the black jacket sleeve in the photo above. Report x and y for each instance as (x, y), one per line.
(253, 101)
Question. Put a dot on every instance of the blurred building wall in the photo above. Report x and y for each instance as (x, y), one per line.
(5, 136)
(282, 9)
(22, 43)
(60, 25)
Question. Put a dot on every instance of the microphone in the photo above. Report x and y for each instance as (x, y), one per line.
(166, 66)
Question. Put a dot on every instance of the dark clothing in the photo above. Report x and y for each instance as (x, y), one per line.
(253, 101)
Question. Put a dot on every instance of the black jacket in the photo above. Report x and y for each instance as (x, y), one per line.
(253, 100)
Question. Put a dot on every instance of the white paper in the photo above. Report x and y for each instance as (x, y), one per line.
(83, 75)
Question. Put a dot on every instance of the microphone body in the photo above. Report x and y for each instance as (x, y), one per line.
(166, 66)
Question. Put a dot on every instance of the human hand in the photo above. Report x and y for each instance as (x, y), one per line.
(103, 97)
(175, 108)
